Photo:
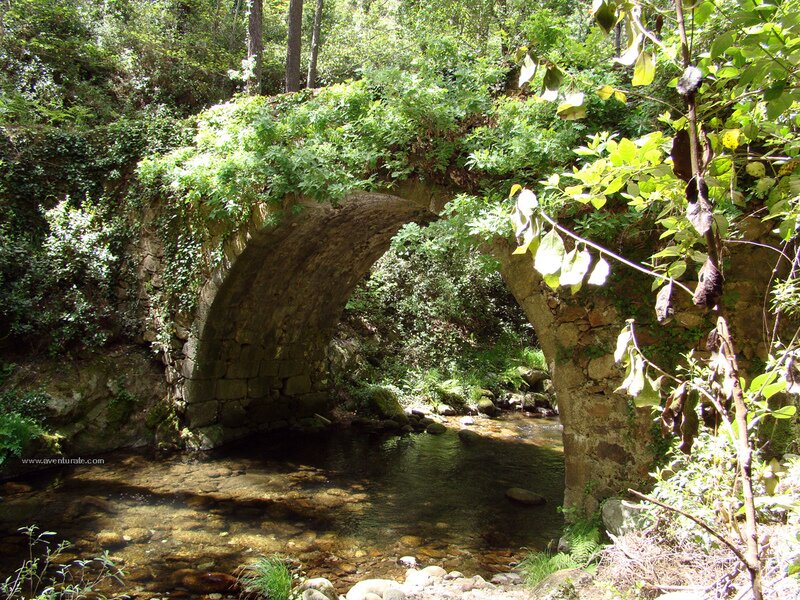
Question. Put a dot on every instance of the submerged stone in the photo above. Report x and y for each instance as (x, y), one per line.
(524, 496)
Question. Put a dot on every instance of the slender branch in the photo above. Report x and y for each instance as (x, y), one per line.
(700, 522)
(751, 243)
(608, 252)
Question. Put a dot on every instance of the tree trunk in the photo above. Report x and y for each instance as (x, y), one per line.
(255, 46)
(293, 45)
(315, 43)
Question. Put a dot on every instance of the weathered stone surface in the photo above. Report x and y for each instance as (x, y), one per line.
(601, 367)
(436, 429)
(200, 414)
(297, 385)
(321, 586)
(468, 436)
(383, 402)
(525, 497)
(231, 389)
(487, 407)
(370, 586)
(621, 517)
(233, 414)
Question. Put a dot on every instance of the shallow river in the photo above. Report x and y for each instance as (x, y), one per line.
(346, 505)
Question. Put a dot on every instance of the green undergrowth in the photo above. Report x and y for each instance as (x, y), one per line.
(583, 540)
(22, 419)
(267, 577)
(435, 322)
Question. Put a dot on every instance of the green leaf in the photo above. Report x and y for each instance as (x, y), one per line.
(728, 72)
(623, 340)
(605, 92)
(702, 12)
(527, 202)
(777, 107)
(552, 281)
(550, 254)
(649, 396)
(572, 108)
(638, 380)
(552, 81)
(632, 53)
(773, 388)
(784, 412)
(599, 273)
(721, 43)
(574, 267)
(605, 15)
(644, 71)
(528, 70)
(598, 201)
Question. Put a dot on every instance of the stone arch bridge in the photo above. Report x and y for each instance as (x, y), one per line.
(253, 355)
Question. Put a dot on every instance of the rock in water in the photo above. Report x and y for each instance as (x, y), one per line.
(487, 407)
(370, 586)
(384, 403)
(467, 435)
(314, 595)
(525, 497)
(320, 585)
(436, 429)
(208, 583)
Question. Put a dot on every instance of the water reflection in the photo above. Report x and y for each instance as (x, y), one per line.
(345, 505)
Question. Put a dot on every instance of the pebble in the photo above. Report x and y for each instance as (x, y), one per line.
(408, 561)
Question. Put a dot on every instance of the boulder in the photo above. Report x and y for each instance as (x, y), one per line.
(434, 572)
(527, 497)
(445, 409)
(561, 585)
(533, 377)
(435, 429)
(467, 421)
(487, 407)
(370, 586)
(621, 517)
(314, 595)
(320, 586)
(468, 436)
(394, 594)
(384, 403)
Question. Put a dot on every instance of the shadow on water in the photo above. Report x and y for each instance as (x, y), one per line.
(346, 505)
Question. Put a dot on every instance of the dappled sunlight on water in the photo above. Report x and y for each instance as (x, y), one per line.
(346, 505)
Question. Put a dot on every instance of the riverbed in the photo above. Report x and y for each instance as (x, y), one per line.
(343, 504)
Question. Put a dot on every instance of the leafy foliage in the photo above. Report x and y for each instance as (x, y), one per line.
(443, 325)
(582, 538)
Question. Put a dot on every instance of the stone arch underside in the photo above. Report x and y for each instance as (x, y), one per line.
(255, 359)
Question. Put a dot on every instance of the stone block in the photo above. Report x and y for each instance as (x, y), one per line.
(269, 368)
(233, 414)
(200, 414)
(601, 367)
(188, 368)
(308, 404)
(231, 389)
(198, 390)
(297, 385)
(259, 387)
(292, 368)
